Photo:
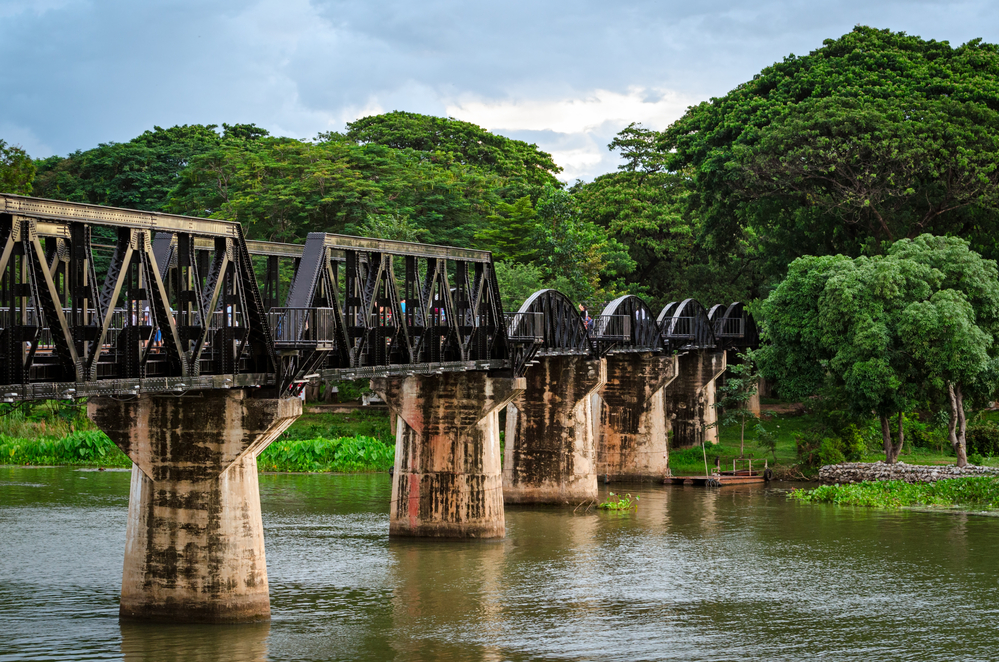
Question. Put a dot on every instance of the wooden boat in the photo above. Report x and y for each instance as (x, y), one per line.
(720, 478)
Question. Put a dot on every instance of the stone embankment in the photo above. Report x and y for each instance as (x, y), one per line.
(856, 472)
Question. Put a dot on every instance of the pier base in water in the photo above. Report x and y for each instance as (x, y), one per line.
(194, 546)
(447, 481)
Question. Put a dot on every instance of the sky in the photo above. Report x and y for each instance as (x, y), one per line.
(564, 75)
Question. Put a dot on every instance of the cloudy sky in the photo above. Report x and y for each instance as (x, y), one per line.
(565, 75)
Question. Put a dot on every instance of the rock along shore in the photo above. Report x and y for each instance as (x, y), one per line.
(856, 472)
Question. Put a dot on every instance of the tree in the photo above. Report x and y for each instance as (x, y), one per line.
(741, 384)
(873, 137)
(574, 253)
(17, 170)
(139, 174)
(509, 232)
(447, 141)
(646, 208)
(888, 330)
(952, 335)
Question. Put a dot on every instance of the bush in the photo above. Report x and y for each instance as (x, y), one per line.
(976, 459)
(829, 452)
(982, 440)
(342, 454)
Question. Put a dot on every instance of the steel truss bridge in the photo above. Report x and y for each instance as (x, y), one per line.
(103, 301)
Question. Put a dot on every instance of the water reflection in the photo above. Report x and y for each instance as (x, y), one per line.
(150, 642)
(693, 574)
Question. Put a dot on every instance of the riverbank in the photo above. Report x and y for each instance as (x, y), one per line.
(973, 492)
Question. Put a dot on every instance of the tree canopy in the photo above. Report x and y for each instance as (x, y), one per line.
(17, 170)
(875, 136)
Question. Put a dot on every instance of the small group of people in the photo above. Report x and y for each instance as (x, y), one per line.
(587, 320)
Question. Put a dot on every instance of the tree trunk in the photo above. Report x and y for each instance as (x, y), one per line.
(962, 429)
(886, 437)
(901, 440)
(957, 439)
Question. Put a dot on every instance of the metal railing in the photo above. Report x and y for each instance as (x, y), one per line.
(302, 327)
(679, 327)
(611, 327)
(730, 327)
(525, 327)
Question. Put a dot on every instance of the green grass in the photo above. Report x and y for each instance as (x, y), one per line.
(360, 423)
(973, 491)
(689, 461)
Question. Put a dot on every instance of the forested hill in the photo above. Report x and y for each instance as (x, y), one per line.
(873, 137)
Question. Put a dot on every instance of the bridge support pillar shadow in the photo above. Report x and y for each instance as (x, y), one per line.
(690, 399)
(549, 455)
(632, 437)
(194, 545)
(447, 481)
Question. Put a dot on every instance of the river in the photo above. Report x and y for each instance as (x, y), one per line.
(736, 573)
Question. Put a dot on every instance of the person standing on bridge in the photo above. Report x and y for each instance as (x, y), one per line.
(587, 320)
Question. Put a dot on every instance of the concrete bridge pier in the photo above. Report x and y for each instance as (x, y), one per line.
(689, 400)
(549, 455)
(447, 481)
(194, 545)
(632, 437)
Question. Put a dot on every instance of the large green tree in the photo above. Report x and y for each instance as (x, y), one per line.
(138, 174)
(875, 136)
(890, 331)
(17, 170)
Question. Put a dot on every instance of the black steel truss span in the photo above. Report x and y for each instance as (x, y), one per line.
(100, 301)
(103, 301)
(358, 304)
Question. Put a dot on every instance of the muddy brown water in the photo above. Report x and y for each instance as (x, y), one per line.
(737, 573)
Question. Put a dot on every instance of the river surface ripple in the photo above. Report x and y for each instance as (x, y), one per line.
(737, 573)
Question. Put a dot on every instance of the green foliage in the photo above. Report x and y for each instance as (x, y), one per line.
(619, 502)
(17, 170)
(517, 282)
(509, 232)
(139, 174)
(983, 439)
(975, 491)
(88, 447)
(318, 454)
(875, 136)
(766, 439)
(449, 142)
(976, 459)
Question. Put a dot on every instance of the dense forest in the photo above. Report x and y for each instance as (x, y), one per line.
(874, 137)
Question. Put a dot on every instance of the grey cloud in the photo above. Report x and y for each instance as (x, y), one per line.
(76, 73)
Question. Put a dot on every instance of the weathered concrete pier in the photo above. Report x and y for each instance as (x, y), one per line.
(447, 481)
(194, 545)
(633, 444)
(689, 400)
(550, 455)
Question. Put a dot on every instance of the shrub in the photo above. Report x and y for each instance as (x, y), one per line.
(976, 459)
(982, 440)
(829, 452)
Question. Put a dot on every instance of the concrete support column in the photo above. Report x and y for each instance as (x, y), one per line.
(447, 481)
(194, 545)
(689, 400)
(632, 437)
(549, 455)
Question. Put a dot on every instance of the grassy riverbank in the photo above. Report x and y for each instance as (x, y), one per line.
(54, 435)
(971, 492)
(787, 427)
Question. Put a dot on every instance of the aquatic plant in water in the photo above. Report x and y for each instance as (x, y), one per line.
(618, 502)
